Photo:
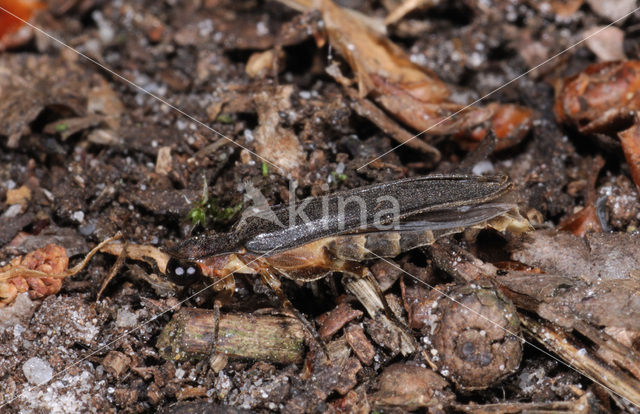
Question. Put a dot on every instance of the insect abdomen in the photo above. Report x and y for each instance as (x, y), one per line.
(383, 244)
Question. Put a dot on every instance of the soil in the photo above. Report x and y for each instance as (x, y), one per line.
(85, 154)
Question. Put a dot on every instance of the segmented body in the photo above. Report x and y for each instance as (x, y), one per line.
(316, 248)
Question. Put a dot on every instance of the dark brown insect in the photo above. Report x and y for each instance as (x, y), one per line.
(337, 232)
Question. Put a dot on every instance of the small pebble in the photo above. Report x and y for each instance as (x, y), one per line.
(37, 371)
(78, 216)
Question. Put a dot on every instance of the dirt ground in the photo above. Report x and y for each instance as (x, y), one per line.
(91, 148)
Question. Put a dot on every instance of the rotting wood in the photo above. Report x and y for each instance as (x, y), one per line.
(190, 335)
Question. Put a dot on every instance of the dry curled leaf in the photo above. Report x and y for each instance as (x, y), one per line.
(413, 94)
(30, 84)
(600, 98)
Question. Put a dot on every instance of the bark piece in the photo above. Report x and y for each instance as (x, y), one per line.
(360, 344)
(116, 363)
(190, 334)
(332, 321)
(563, 345)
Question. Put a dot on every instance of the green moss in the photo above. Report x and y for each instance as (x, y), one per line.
(224, 119)
(61, 127)
(208, 209)
(339, 176)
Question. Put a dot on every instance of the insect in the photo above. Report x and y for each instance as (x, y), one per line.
(337, 232)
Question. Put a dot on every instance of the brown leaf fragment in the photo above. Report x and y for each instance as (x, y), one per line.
(370, 54)
(20, 195)
(597, 256)
(600, 98)
(413, 94)
(273, 142)
(103, 101)
(31, 83)
(263, 64)
(630, 140)
(406, 7)
(386, 273)
(332, 321)
(584, 221)
(612, 9)
(164, 161)
(606, 44)
(563, 9)
(355, 401)
(410, 387)
(382, 329)
(564, 300)
(369, 110)
(191, 392)
(325, 376)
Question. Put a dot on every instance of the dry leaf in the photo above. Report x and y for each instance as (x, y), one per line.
(412, 94)
(272, 140)
(607, 44)
(600, 97)
(612, 9)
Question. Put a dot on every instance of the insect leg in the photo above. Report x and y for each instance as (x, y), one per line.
(272, 281)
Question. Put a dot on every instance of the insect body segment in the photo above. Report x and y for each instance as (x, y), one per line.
(335, 233)
(427, 208)
(378, 206)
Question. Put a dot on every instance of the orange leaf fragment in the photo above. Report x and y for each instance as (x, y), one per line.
(630, 140)
(23, 9)
(600, 98)
(50, 260)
